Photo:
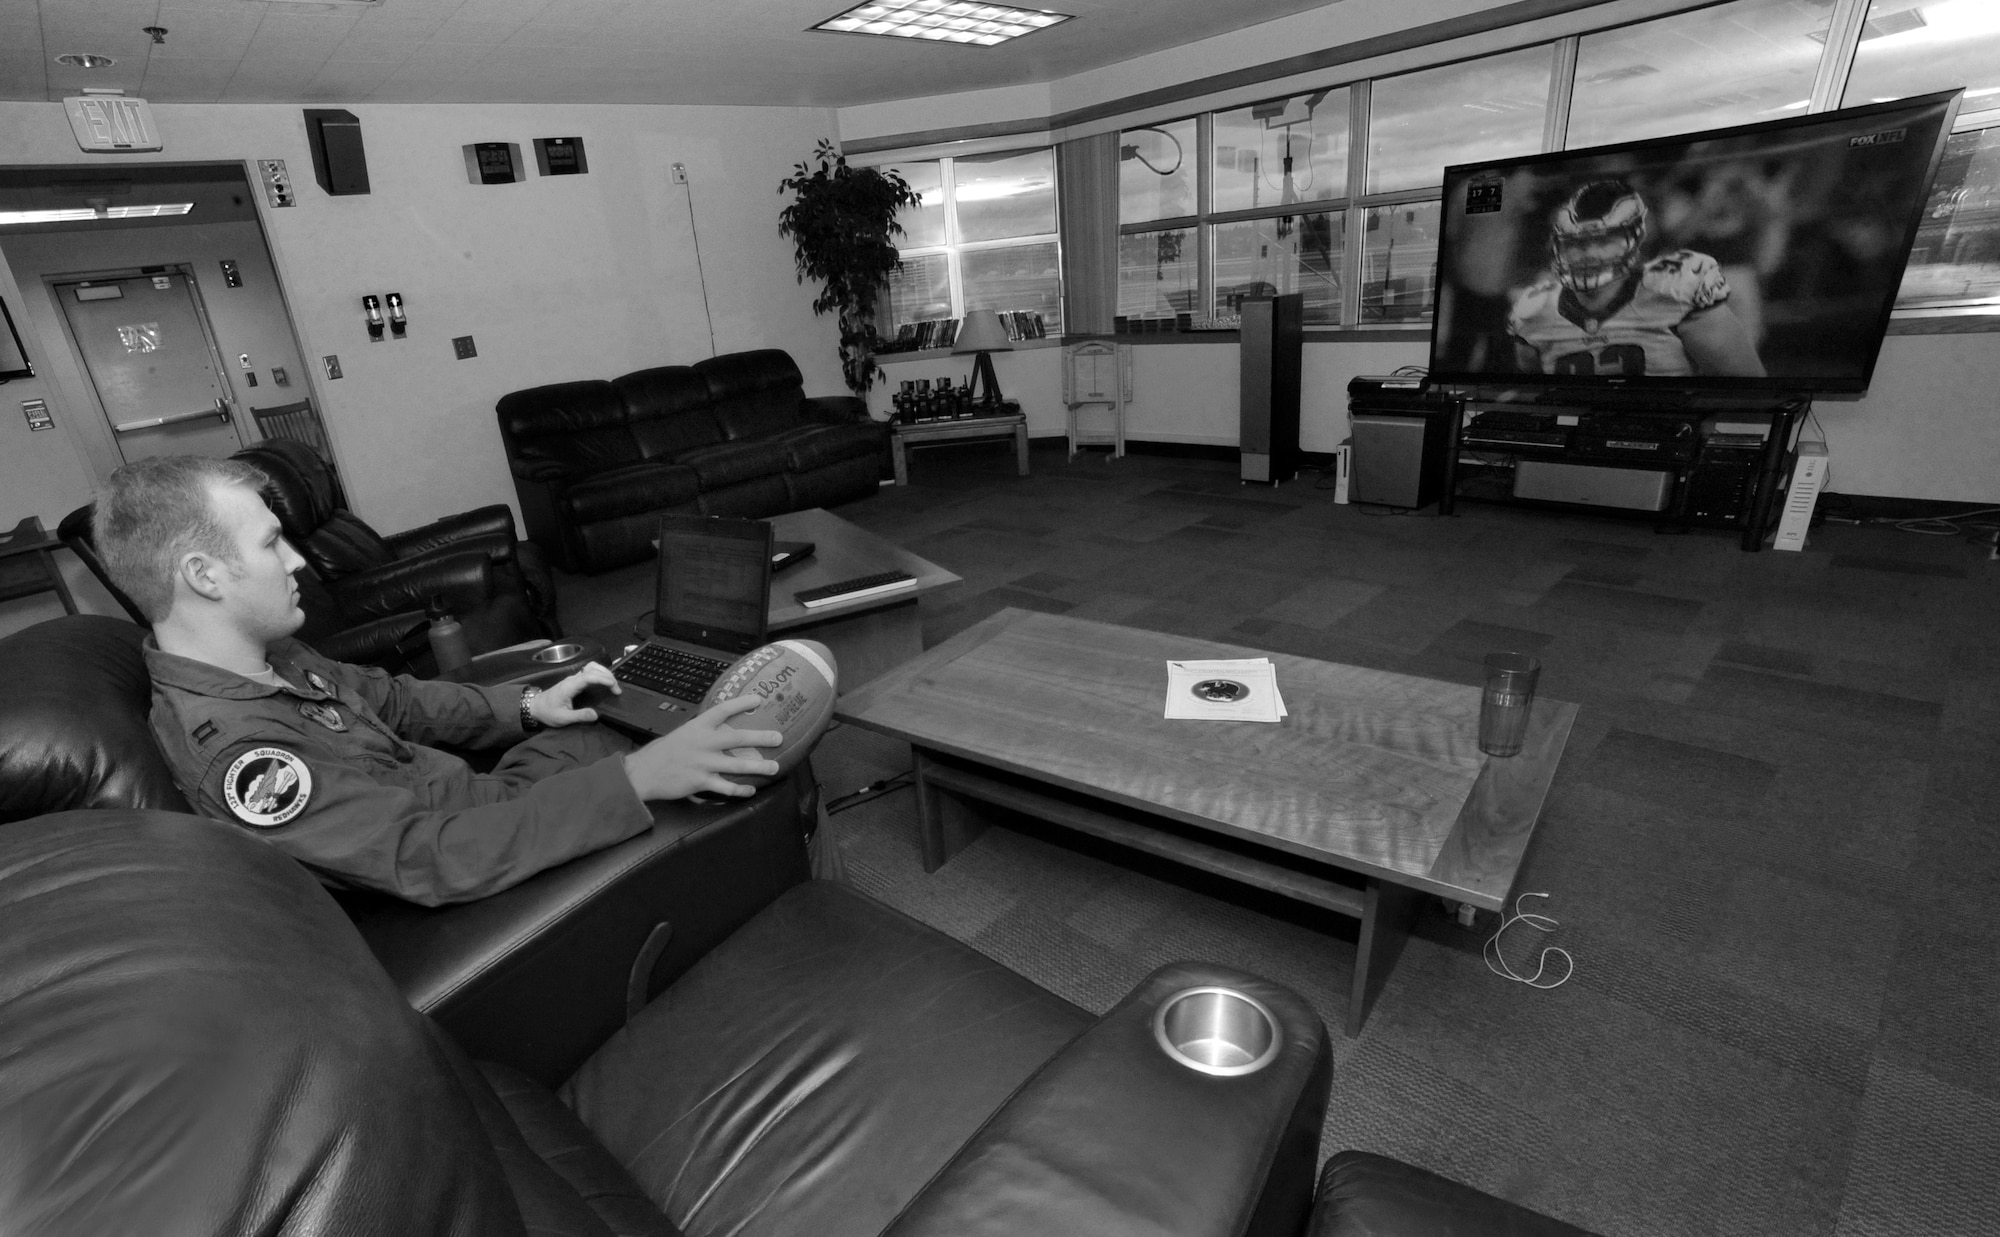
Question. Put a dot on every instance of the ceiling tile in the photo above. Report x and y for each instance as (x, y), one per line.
(357, 48)
(206, 37)
(475, 30)
(445, 59)
(545, 34)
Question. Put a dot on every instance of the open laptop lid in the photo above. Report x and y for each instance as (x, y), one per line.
(714, 584)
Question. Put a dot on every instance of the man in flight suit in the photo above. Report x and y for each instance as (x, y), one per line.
(329, 761)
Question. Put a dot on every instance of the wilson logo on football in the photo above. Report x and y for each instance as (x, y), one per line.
(267, 786)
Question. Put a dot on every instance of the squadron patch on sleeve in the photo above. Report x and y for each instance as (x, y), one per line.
(267, 786)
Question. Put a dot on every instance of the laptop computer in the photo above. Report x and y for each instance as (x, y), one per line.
(712, 605)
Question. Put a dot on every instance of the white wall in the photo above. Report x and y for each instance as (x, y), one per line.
(555, 278)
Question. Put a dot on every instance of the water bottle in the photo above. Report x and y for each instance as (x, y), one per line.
(448, 646)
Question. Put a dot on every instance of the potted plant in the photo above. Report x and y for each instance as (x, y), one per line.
(842, 218)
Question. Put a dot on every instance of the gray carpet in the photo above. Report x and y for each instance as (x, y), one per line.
(1771, 844)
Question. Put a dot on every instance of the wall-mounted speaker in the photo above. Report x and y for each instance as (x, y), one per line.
(339, 164)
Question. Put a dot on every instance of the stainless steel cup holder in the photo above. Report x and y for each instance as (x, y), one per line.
(1217, 1031)
(556, 654)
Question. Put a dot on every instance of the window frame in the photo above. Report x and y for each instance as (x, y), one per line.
(953, 246)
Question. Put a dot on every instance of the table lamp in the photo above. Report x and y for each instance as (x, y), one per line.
(982, 333)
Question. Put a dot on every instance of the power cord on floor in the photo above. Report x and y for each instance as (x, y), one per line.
(871, 792)
(1496, 961)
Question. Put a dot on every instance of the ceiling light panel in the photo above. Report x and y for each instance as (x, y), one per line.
(942, 21)
(80, 214)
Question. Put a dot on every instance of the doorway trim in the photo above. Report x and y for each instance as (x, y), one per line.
(238, 413)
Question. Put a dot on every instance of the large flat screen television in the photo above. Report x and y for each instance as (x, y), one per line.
(1764, 257)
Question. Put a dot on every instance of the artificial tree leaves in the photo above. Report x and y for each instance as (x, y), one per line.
(841, 219)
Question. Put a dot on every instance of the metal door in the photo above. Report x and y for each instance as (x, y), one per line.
(146, 348)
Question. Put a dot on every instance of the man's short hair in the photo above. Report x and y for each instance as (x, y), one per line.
(152, 512)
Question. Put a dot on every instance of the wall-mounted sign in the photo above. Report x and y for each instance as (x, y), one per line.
(560, 156)
(112, 124)
(494, 163)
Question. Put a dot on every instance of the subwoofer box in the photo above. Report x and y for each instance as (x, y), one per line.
(1398, 458)
(1634, 489)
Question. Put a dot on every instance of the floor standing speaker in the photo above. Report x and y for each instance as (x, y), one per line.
(339, 164)
(1273, 350)
(1398, 458)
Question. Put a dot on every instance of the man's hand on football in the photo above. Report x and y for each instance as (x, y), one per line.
(698, 755)
(556, 706)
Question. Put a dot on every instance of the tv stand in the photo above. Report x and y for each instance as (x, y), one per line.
(1686, 459)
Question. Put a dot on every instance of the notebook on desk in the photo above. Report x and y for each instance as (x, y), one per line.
(712, 604)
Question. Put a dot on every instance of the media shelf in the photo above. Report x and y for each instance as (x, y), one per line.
(1684, 461)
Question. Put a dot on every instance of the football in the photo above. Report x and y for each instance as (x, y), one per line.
(797, 680)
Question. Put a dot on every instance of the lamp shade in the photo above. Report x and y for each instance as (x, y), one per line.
(980, 331)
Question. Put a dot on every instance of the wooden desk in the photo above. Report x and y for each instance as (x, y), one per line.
(931, 433)
(28, 564)
(1371, 792)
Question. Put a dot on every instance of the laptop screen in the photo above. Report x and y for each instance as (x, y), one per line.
(714, 581)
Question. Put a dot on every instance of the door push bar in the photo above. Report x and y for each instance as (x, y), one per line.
(221, 409)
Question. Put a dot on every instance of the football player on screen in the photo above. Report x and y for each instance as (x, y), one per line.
(1603, 310)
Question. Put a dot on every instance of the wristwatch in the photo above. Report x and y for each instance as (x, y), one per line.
(529, 722)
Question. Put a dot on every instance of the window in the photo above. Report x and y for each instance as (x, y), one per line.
(1956, 257)
(1156, 172)
(1421, 123)
(1914, 48)
(1284, 151)
(984, 237)
(1282, 196)
(1733, 64)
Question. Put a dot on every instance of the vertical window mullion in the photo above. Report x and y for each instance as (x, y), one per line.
(1836, 59)
(1562, 86)
(1357, 185)
(1204, 193)
(954, 280)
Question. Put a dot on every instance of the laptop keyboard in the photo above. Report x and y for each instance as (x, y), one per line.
(671, 672)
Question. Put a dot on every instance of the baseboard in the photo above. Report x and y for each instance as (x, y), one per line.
(1835, 505)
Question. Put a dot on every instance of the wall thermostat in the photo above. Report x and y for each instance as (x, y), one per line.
(560, 156)
(493, 163)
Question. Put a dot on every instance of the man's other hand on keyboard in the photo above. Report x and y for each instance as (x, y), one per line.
(556, 706)
(694, 757)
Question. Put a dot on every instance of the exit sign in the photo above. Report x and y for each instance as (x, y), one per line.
(112, 124)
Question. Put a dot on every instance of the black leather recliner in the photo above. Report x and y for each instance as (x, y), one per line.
(395, 639)
(344, 551)
(681, 1034)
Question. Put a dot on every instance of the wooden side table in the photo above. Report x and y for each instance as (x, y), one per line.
(28, 564)
(931, 433)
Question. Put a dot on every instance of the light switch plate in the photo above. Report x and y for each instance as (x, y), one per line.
(461, 346)
(277, 182)
(332, 364)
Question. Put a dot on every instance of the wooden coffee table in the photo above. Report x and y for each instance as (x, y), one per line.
(1370, 793)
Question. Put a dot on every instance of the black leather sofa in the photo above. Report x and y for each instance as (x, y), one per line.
(681, 1034)
(596, 463)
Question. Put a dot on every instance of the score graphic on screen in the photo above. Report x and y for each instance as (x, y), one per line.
(1764, 257)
